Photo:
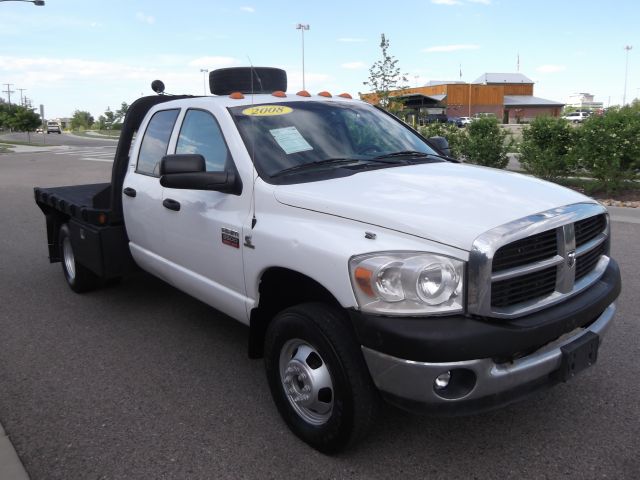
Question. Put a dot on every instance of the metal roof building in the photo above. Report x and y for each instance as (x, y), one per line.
(509, 96)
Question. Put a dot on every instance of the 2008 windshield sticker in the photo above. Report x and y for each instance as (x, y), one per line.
(267, 110)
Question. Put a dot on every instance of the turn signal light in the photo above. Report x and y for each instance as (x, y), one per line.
(363, 279)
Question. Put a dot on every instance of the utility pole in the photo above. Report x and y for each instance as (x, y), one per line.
(626, 71)
(302, 28)
(8, 91)
(21, 100)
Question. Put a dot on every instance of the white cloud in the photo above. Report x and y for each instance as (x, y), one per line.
(446, 2)
(150, 19)
(248, 9)
(213, 62)
(450, 48)
(351, 40)
(551, 68)
(353, 65)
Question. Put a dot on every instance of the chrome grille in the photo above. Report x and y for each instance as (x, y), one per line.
(534, 262)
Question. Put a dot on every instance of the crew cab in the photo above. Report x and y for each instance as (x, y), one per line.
(366, 263)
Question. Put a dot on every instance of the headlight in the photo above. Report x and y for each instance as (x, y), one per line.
(408, 283)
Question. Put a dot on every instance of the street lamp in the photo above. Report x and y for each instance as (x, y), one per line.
(626, 71)
(37, 3)
(302, 27)
(204, 80)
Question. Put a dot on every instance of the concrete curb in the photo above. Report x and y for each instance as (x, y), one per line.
(11, 467)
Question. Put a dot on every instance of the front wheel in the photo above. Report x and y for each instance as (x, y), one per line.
(318, 378)
(78, 277)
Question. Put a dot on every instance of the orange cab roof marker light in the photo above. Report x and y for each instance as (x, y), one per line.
(236, 96)
(345, 95)
(324, 94)
(303, 93)
(279, 94)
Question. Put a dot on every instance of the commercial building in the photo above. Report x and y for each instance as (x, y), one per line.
(508, 96)
(583, 101)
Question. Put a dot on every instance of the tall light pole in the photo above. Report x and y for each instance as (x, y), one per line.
(204, 80)
(626, 71)
(302, 27)
(38, 3)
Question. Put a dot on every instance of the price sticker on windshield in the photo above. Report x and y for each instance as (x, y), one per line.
(267, 110)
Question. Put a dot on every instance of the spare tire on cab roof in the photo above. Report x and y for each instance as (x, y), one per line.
(247, 80)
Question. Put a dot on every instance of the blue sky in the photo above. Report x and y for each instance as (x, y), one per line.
(89, 55)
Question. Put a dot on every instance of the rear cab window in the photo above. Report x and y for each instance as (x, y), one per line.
(156, 141)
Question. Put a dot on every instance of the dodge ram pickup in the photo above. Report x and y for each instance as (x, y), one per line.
(366, 263)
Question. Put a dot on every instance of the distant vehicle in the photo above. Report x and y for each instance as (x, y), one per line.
(53, 127)
(455, 121)
(465, 121)
(476, 116)
(576, 117)
(39, 130)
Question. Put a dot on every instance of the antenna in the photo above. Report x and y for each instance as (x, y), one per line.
(253, 149)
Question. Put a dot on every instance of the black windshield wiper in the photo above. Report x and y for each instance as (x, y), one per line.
(317, 163)
(403, 153)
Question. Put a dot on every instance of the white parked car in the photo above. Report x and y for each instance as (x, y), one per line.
(465, 120)
(576, 117)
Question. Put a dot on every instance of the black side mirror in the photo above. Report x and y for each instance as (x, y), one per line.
(188, 172)
(441, 144)
(182, 163)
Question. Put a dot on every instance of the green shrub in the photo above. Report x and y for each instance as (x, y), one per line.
(454, 135)
(484, 143)
(608, 147)
(547, 148)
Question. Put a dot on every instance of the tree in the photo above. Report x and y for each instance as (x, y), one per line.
(81, 119)
(120, 113)
(24, 119)
(547, 148)
(485, 143)
(385, 76)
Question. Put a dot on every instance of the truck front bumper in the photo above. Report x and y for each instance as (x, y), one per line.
(484, 363)
(474, 385)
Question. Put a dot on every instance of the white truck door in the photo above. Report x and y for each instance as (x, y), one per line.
(203, 243)
(142, 194)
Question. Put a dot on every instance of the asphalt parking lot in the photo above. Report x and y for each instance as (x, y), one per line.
(141, 381)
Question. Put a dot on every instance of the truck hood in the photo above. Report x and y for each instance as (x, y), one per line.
(448, 203)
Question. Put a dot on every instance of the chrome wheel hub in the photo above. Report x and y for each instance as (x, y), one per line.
(69, 261)
(306, 381)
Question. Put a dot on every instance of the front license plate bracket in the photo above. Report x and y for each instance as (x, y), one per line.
(579, 355)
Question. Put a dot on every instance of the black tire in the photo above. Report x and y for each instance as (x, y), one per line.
(78, 277)
(354, 399)
(247, 79)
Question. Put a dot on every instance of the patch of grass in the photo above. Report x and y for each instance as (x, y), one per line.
(4, 149)
(115, 134)
(19, 142)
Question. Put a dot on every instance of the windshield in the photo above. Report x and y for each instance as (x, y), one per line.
(283, 136)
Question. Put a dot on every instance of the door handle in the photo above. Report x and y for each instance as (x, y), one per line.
(129, 192)
(171, 204)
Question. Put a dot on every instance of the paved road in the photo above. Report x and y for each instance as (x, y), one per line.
(141, 381)
(59, 139)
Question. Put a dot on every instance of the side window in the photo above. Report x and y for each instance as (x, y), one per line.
(201, 134)
(156, 140)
